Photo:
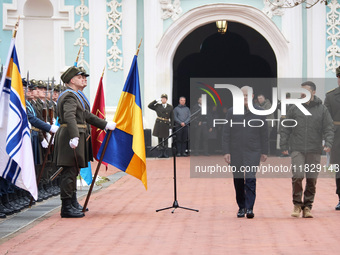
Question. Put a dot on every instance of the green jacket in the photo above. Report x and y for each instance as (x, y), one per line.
(310, 130)
(73, 118)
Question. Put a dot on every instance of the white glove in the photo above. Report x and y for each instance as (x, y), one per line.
(48, 137)
(159, 100)
(54, 128)
(44, 143)
(110, 125)
(74, 142)
(52, 140)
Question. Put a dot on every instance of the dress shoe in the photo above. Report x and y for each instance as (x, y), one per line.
(2, 215)
(250, 214)
(184, 154)
(338, 207)
(178, 154)
(241, 213)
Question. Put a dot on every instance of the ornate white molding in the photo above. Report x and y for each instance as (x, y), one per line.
(82, 10)
(114, 32)
(333, 32)
(272, 10)
(170, 9)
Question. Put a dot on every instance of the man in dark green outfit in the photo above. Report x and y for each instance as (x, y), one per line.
(70, 150)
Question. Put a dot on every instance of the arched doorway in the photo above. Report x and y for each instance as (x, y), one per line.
(240, 53)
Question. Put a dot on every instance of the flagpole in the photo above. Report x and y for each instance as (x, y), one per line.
(76, 62)
(103, 72)
(16, 27)
(97, 170)
(139, 46)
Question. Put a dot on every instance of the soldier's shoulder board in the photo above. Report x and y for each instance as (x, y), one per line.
(331, 90)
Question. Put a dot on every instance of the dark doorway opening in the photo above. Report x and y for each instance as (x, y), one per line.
(241, 52)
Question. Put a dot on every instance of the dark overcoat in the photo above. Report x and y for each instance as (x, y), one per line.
(245, 143)
(332, 102)
(164, 121)
(73, 118)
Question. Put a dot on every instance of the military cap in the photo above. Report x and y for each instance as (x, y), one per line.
(24, 82)
(41, 84)
(70, 73)
(164, 95)
(82, 69)
(33, 84)
(57, 88)
(337, 71)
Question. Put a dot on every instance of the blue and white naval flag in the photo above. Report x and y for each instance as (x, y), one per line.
(16, 155)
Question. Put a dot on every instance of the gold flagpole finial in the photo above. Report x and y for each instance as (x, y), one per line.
(16, 27)
(103, 72)
(139, 46)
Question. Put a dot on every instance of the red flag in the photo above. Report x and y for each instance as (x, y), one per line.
(98, 109)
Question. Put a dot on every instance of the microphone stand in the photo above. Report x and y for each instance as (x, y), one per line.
(175, 204)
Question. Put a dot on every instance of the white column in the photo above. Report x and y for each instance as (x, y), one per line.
(292, 29)
(316, 46)
(153, 32)
(97, 44)
(129, 33)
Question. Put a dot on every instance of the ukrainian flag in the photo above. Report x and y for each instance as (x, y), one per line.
(126, 147)
(16, 155)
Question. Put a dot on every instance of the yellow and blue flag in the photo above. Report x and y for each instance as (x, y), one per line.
(16, 155)
(126, 147)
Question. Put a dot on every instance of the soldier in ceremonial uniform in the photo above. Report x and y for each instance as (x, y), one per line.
(70, 140)
(332, 102)
(163, 123)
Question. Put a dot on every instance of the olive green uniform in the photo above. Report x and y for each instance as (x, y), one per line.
(72, 118)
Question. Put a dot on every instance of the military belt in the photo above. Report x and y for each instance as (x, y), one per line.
(337, 123)
(35, 129)
(78, 125)
(163, 119)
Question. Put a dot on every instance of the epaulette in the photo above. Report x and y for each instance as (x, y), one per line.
(331, 90)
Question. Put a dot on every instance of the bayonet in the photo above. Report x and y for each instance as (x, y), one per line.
(1, 71)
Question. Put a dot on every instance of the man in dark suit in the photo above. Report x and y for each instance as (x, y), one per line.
(244, 146)
(332, 102)
(164, 122)
(70, 141)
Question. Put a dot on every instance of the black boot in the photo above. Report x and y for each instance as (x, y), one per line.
(338, 205)
(68, 211)
(4, 209)
(8, 205)
(2, 215)
(75, 203)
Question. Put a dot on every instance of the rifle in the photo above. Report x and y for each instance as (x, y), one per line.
(44, 111)
(50, 108)
(27, 82)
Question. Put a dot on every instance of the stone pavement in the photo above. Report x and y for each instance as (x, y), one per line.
(122, 219)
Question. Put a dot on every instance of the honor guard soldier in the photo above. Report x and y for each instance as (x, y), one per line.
(332, 102)
(70, 150)
(163, 123)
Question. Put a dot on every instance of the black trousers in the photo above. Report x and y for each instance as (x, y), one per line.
(68, 182)
(164, 145)
(181, 139)
(245, 188)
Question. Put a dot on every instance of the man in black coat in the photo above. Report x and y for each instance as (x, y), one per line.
(332, 102)
(244, 146)
(164, 122)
